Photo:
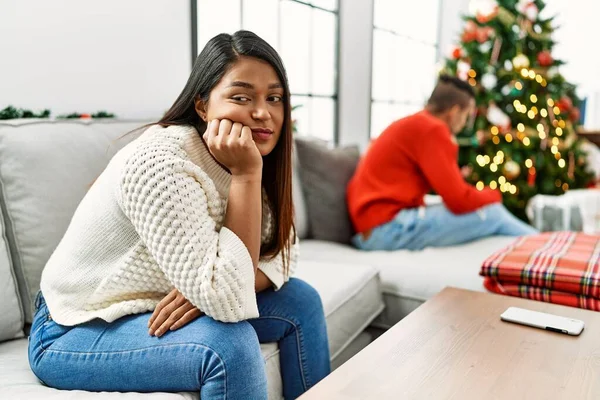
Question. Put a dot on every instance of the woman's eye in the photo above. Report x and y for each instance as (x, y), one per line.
(240, 98)
(275, 99)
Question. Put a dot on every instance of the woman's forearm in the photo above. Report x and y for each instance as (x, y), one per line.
(244, 213)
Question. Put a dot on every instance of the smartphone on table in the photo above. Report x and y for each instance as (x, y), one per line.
(550, 322)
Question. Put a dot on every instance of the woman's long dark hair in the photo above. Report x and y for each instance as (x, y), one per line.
(219, 54)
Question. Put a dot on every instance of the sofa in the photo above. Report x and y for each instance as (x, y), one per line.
(46, 167)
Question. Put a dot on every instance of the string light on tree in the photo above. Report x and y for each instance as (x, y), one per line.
(521, 62)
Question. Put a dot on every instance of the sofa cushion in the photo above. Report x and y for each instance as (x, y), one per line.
(324, 174)
(351, 296)
(12, 320)
(45, 170)
(409, 278)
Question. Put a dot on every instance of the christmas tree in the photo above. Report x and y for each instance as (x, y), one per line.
(522, 139)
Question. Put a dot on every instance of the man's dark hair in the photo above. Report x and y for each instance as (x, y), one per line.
(448, 92)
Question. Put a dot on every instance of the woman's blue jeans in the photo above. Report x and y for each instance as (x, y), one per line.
(220, 360)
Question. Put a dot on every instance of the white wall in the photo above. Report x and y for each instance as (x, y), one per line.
(128, 57)
(577, 24)
(451, 24)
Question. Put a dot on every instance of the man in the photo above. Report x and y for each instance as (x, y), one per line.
(413, 156)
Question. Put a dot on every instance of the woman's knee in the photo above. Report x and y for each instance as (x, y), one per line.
(300, 294)
(232, 356)
(301, 303)
(233, 343)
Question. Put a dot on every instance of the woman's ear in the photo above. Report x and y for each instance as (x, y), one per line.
(200, 108)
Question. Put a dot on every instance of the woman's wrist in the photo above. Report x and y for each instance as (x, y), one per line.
(247, 177)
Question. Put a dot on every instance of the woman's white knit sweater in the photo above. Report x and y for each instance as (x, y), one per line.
(152, 222)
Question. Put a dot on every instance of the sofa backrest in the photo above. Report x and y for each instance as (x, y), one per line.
(46, 167)
(12, 320)
(300, 211)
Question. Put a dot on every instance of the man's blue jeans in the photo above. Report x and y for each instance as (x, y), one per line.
(436, 226)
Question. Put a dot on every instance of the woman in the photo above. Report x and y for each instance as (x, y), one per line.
(198, 208)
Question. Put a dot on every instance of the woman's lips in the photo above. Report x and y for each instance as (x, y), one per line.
(262, 133)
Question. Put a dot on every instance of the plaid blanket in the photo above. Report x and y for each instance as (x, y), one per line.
(556, 267)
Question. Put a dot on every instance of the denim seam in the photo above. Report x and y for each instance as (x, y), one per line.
(299, 336)
(42, 330)
(195, 345)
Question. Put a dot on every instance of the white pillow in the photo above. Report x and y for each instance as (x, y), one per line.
(11, 322)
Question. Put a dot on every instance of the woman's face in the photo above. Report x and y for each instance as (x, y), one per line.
(252, 94)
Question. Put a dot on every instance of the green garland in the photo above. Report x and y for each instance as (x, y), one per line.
(99, 114)
(11, 112)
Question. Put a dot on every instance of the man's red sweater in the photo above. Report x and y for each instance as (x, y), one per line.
(411, 157)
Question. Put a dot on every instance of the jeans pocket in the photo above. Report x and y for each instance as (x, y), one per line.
(44, 330)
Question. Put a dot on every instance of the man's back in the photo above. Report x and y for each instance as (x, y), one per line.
(411, 157)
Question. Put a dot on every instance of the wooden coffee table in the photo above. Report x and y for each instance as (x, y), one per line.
(456, 347)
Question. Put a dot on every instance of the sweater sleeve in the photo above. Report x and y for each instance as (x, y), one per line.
(273, 268)
(172, 203)
(437, 158)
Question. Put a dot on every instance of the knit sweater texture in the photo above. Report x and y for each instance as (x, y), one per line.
(152, 222)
